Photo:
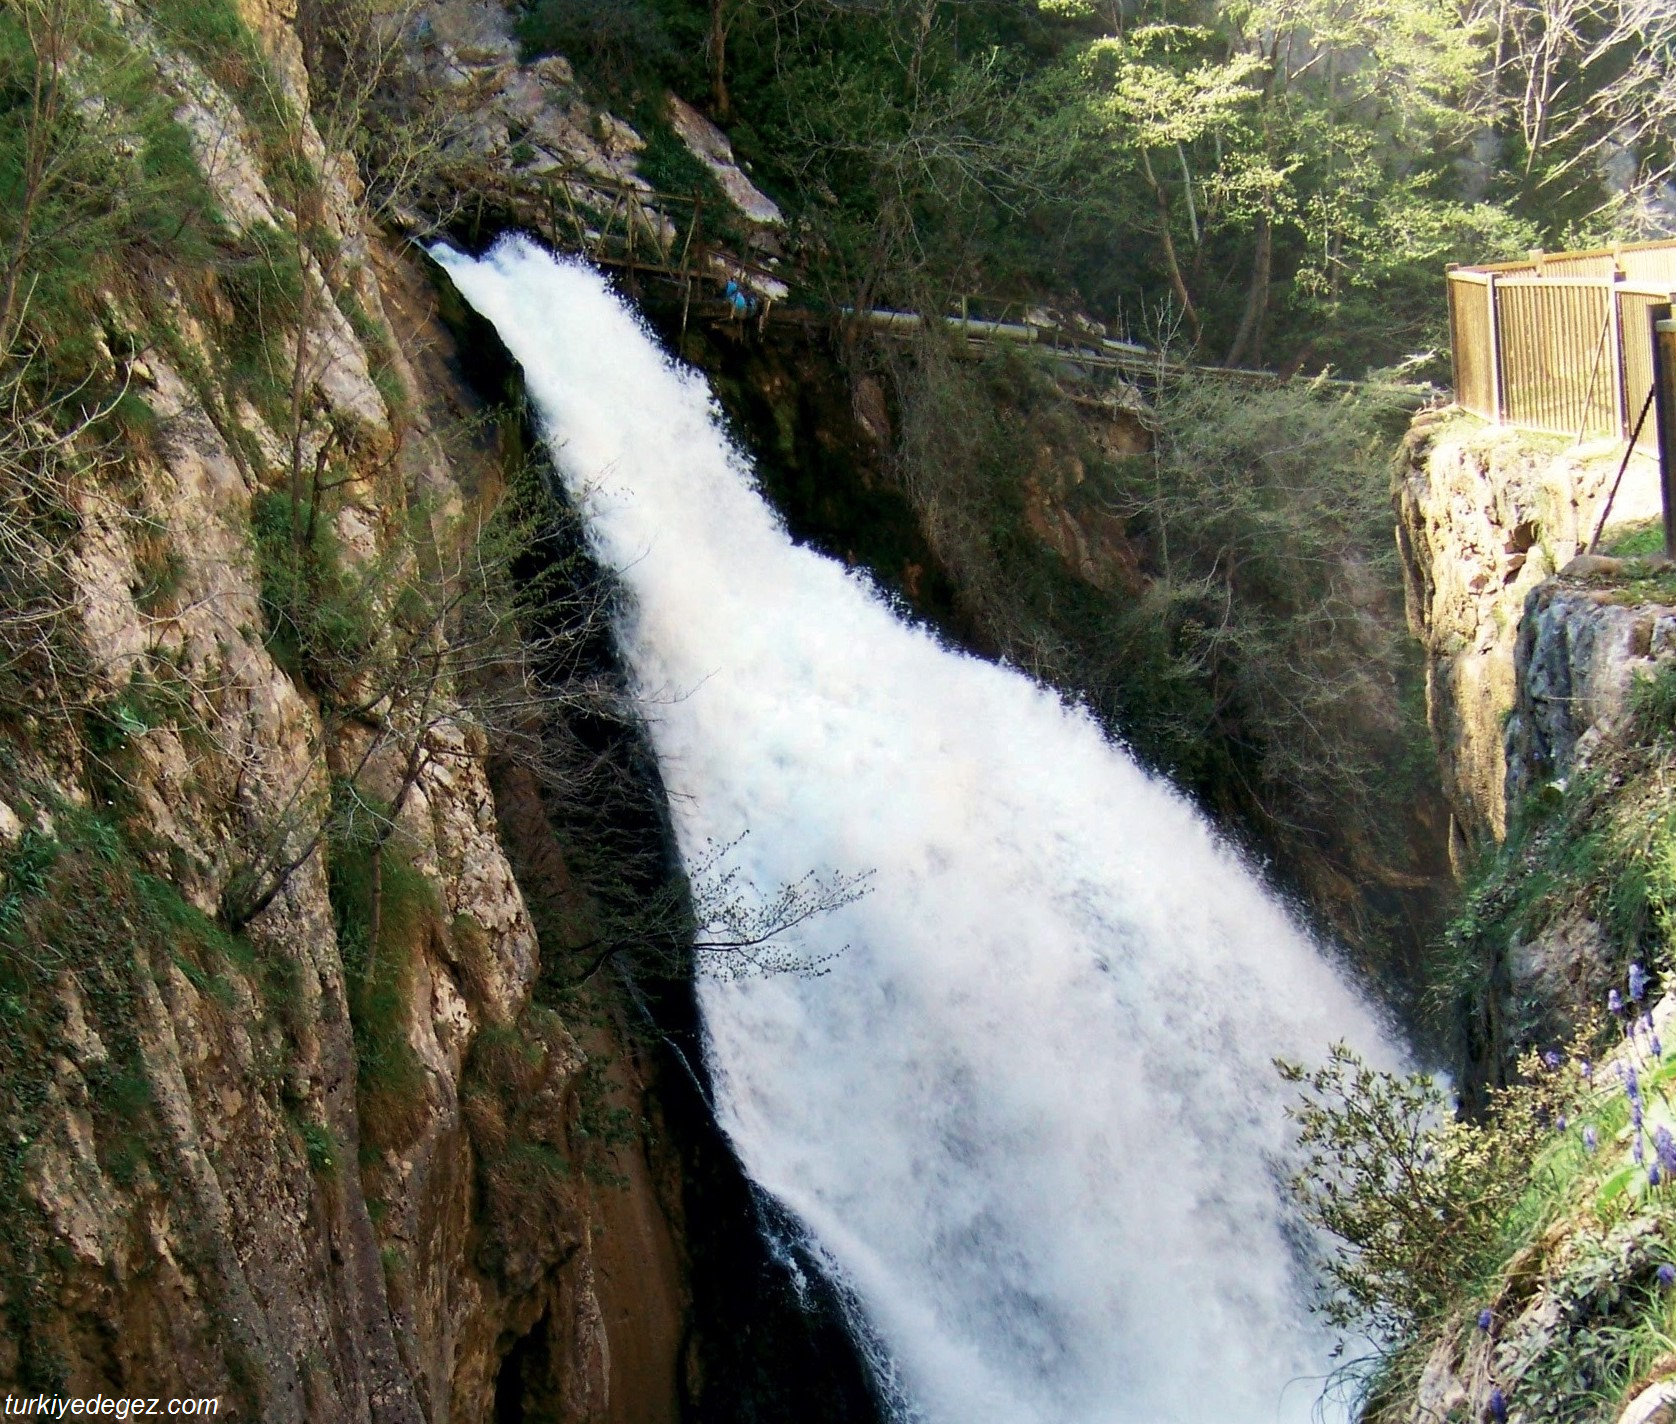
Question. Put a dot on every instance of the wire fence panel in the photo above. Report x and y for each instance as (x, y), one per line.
(1561, 342)
(1473, 341)
(1636, 309)
(1557, 356)
(1652, 265)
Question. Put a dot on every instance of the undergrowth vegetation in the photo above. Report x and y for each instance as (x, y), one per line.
(1528, 1244)
(1593, 854)
(1530, 1253)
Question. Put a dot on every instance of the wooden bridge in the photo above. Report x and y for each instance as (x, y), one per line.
(632, 230)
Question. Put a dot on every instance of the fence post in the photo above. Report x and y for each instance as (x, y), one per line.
(1620, 397)
(1664, 387)
(1495, 349)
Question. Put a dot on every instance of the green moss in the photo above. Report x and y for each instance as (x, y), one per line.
(123, 199)
(77, 904)
(322, 618)
(391, 1081)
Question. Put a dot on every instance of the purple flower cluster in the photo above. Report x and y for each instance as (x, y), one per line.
(1660, 1165)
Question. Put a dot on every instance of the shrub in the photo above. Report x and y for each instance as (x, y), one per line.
(1419, 1204)
(367, 885)
(322, 618)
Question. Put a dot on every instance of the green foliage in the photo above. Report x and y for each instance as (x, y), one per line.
(321, 1148)
(97, 181)
(262, 279)
(1267, 515)
(1290, 176)
(322, 617)
(1613, 1325)
(391, 1082)
(623, 45)
(1597, 851)
(1652, 702)
(1419, 1204)
(214, 34)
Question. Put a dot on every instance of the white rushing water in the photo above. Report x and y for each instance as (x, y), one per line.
(1029, 1116)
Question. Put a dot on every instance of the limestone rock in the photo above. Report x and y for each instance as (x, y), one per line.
(712, 148)
(1654, 1405)
(1576, 662)
(1483, 517)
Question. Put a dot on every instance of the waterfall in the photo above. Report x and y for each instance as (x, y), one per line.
(1028, 1118)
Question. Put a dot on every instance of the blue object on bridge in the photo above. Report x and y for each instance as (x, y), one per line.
(739, 298)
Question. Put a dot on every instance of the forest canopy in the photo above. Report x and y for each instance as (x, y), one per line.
(1279, 182)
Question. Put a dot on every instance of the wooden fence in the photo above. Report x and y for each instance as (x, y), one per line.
(1564, 342)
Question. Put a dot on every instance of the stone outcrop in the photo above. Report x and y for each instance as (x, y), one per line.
(1483, 517)
(1579, 653)
(526, 135)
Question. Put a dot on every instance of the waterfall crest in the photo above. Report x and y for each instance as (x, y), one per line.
(1029, 1116)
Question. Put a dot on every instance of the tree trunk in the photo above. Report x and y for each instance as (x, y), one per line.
(720, 100)
(1248, 340)
(1189, 312)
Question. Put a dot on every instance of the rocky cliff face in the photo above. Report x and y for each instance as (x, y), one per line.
(317, 1176)
(1483, 517)
(1534, 654)
(1551, 680)
(1584, 642)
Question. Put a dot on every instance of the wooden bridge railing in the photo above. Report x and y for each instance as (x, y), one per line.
(638, 229)
(1562, 343)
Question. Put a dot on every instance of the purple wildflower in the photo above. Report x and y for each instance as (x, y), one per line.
(1658, 1048)
(1638, 1151)
(1632, 1086)
(1635, 1113)
(1587, 1069)
(1498, 1405)
(1591, 1139)
(1664, 1143)
(1552, 1059)
(1653, 1174)
(1484, 1319)
(1667, 1275)
(1637, 983)
(1562, 1123)
(1615, 1001)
